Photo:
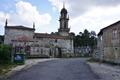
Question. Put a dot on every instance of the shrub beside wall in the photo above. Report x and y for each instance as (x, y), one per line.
(5, 53)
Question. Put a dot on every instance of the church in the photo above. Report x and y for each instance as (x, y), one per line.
(24, 39)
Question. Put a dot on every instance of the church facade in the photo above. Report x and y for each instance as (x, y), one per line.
(24, 39)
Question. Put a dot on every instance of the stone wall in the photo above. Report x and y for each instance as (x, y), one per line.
(38, 46)
(66, 45)
(109, 46)
(15, 34)
(64, 33)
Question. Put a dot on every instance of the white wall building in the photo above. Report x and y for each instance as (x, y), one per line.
(41, 44)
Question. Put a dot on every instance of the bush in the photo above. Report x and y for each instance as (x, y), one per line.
(5, 53)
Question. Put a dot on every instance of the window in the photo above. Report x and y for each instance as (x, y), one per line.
(101, 38)
(114, 34)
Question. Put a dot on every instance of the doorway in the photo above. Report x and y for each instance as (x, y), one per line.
(59, 53)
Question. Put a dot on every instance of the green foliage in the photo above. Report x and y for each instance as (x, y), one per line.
(67, 55)
(72, 34)
(1, 39)
(85, 39)
(5, 53)
(5, 68)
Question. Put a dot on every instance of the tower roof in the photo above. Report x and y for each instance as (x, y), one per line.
(63, 10)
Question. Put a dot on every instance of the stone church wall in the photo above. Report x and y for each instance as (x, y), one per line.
(49, 46)
(15, 34)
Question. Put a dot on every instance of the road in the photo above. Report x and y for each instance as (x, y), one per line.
(60, 69)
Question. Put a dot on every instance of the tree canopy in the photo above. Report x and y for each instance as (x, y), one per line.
(85, 38)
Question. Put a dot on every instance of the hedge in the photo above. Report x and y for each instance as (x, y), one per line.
(5, 53)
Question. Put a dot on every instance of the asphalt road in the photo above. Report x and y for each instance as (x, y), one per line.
(61, 69)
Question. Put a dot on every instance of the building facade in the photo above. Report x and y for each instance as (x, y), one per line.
(41, 44)
(108, 47)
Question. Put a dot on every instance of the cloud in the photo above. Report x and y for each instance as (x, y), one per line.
(3, 17)
(75, 8)
(25, 14)
(2, 21)
(96, 18)
(84, 14)
(58, 4)
(28, 14)
(90, 14)
(107, 2)
(79, 7)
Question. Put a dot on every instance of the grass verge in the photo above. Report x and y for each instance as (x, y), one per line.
(92, 60)
(4, 68)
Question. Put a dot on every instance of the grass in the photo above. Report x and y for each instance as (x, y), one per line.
(92, 60)
(4, 68)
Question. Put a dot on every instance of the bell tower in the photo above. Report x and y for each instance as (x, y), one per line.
(64, 18)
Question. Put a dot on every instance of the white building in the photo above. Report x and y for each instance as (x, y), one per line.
(41, 44)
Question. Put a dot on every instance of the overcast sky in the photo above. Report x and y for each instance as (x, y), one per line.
(84, 14)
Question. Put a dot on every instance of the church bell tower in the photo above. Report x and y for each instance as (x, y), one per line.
(64, 18)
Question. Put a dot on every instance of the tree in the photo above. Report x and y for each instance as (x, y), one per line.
(93, 33)
(5, 53)
(86, 39)
(1, 39)
(80, 33)
(93, 39)
(72, 34)
(86, 33)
